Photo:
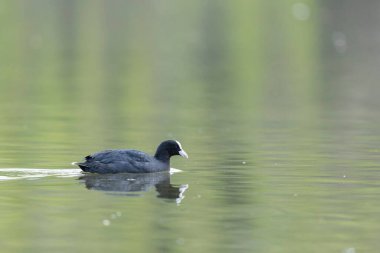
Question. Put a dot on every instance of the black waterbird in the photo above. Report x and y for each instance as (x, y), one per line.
(132, 161)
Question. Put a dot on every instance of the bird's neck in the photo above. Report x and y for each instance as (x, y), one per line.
(162, 156)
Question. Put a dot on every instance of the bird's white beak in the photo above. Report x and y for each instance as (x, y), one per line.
(183, 153)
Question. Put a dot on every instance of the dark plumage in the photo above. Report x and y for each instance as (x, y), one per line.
(132, 161)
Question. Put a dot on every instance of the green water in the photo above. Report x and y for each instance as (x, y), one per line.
(276, 103)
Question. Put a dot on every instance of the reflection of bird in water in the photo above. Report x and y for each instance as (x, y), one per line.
(131, 183)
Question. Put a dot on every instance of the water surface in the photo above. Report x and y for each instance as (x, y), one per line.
(275, 103)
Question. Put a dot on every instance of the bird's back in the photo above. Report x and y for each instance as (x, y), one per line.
(121, 160)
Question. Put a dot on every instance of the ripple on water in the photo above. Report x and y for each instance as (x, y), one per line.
(33, 173)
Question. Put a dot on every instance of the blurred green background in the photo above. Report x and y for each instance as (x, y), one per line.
(276, 102)
(82, 74)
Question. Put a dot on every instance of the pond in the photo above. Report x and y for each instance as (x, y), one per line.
(277, 105)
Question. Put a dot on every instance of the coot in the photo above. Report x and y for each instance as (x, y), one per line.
(132, 161)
